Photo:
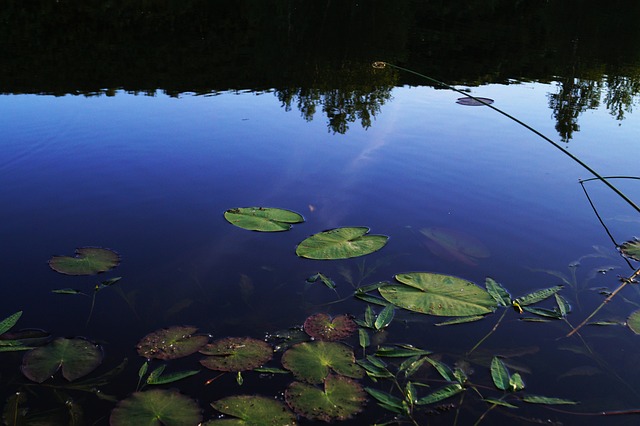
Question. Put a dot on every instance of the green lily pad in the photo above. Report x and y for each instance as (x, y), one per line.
(633, 322)
(87, 261)
(312, 361)
(155, 408)
(263, 219)
(323, 327)
(341, 399)
(437, 294)
(453, 245)
(341, 243)
(631, 249)
(171, 343)
(253, 410)
(76, 358)
(236, 354)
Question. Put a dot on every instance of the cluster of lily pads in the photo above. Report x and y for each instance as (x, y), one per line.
(328, 380)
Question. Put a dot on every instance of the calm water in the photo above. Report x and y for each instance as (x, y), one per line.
(150, 176)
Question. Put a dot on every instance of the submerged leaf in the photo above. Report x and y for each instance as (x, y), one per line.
(253, 410)
(454, 245)
(325, 280)
(340, 399)
(76, 357)
(312, 361)
(437, 294)
(171, 343)
(236, 354)
(340, 243)
(155, 408)
(87, 261)
(263, 219)
(323, 327)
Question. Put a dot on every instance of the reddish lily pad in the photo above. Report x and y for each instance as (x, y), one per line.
(236, 354)
(87, 261)
(171, 343)
(322, 327)
(340, 399)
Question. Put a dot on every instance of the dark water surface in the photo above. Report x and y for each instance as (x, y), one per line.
(145, 160)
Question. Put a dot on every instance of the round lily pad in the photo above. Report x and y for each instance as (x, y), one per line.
(171, 343)
(156, 407)
(263, 219)
(323, 327)
(631, 249)
(341, 243)
(475, 101)
(76, 357)
(340, 399)
(87, 261)
(437, 294)
(253, 410)
(236, 354)
(312, 361)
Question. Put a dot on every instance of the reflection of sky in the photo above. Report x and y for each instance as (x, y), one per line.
(151, 177)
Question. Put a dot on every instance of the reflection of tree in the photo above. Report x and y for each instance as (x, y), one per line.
(348, 94)
(573, 98)
(621, 94)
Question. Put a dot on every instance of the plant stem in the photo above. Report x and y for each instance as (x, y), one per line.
(625, 281)
(495, 327)
(484, 414)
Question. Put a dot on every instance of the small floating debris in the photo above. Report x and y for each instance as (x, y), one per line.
(475, 101)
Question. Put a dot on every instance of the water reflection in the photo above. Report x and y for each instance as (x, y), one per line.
(316, 55)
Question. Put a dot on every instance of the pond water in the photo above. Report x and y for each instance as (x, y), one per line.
(148, 170)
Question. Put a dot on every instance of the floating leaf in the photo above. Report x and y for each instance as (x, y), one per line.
(499, 374)
(323, 327)
(499, 402)
(537, 296)
(384, 318)
(236, 354)
(400, 351)
(437, 294)
(76, 358)
(386, 400)
(171, 343)
(515, 382)
(631, 249)
(536, 399)
(253, 410)
(341, 399)
(460, 320)
(441, 394)
(633, 322)
(9, 322)
(263, 219)
(340, 243)
(311, 361)
(67, 291)
(87, 261)
(474, 101)
(155, 408)
(500, 295)
(453, 245)
(547, 313)
(157, 376)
